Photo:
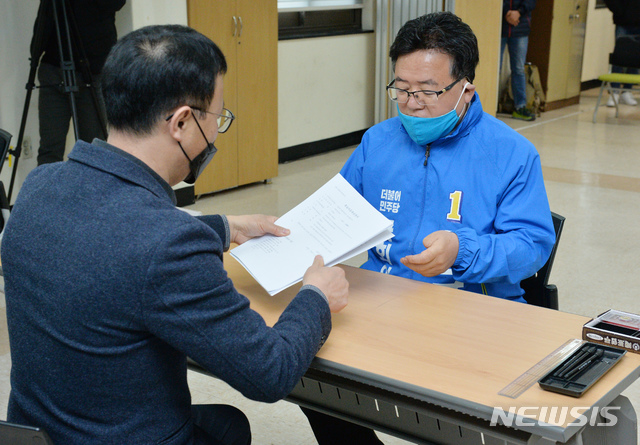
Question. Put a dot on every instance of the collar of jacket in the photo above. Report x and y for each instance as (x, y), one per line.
(116, 162)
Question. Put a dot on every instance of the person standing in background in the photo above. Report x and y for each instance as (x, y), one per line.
(516, 26)
(626, 16)
(95, 20)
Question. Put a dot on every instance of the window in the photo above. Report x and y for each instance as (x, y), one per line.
(314, 18)
(317, 4)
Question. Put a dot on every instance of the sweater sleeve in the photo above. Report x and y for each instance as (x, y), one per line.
(191, 304)
(220, 225)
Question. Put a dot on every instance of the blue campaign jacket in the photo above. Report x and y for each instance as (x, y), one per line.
(483, 182)
(109, 287)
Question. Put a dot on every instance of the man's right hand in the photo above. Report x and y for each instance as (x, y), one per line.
(331, 281)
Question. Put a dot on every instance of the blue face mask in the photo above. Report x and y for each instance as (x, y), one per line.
(425, 130)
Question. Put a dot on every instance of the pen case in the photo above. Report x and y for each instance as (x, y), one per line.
(578, 372)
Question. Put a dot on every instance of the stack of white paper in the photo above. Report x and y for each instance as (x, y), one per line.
(335, 222)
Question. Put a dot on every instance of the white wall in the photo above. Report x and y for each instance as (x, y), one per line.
(16, 29)
(598, 43)
(325, 87)
(139, 13)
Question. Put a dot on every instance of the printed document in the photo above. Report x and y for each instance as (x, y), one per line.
(335, 222)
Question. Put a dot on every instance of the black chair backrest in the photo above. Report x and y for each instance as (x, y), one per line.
(626, 52)
(537, 289)
(13, 434)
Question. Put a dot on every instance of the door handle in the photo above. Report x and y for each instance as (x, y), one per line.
(240, 32)
(235, 25)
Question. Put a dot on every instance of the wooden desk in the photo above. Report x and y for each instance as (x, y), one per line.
(419, 360)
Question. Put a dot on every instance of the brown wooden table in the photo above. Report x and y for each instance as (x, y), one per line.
(426, 362)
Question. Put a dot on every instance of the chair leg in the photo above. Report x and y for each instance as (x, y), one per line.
(595, 112)
(615, 101)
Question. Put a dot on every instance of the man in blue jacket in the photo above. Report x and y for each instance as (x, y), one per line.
(109, 287)
(465, 191)
(516, 26)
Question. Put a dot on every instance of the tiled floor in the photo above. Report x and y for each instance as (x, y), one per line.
(592, 175)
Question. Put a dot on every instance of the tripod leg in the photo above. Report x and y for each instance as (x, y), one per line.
(91, 81)
(23, 124)
(70, 83)
(91, 119)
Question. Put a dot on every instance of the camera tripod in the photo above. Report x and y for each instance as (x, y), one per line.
(68, 39)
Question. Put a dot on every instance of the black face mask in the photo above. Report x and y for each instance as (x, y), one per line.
(200, 162)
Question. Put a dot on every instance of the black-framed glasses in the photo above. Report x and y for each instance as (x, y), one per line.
(422, 97)
(224, 119)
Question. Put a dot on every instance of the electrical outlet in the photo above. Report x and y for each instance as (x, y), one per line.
(27, 150)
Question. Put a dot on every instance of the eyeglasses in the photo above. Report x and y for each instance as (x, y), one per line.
(224, 119)
(422, 97)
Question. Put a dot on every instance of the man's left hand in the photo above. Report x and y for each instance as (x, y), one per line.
(440, 254)
(513, 17)
(243, 228)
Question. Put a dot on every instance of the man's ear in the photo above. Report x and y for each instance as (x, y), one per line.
(469, 92)
(179, 122)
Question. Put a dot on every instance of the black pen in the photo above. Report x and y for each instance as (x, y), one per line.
(597, 356)
(575, 360)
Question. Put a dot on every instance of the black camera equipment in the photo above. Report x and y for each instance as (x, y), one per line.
(57, 14)
(5, 140)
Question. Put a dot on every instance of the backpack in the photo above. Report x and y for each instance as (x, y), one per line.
(535, 95)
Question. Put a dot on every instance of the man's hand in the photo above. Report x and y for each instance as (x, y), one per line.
(243, 228)
(440, 254)
(331, 281)
(513, 17)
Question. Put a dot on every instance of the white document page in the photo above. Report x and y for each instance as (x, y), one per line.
(335, 222)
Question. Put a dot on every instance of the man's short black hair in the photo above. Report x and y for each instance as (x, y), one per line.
(443, 32)
(155, 69)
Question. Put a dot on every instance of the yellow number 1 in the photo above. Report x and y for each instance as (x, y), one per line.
(454, 214)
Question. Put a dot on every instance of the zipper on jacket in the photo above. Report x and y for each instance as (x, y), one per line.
(426, 155)
(424, 192)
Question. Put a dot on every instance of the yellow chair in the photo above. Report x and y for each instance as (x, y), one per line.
(621, 78)
(626, 54)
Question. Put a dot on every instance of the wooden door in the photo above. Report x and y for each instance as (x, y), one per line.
(556, 46)
(218, 21)
(257, 90)
(577, 20)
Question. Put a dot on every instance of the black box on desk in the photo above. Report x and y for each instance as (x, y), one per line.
(614, 328)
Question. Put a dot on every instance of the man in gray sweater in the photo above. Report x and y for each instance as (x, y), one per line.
(109, 287)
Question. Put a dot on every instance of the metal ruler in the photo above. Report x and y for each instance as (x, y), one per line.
(530, 377)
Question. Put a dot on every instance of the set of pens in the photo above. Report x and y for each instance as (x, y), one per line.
(581, 369)
(579, 362)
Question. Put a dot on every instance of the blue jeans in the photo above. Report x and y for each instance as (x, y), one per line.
(624, 31)
(518, 57)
